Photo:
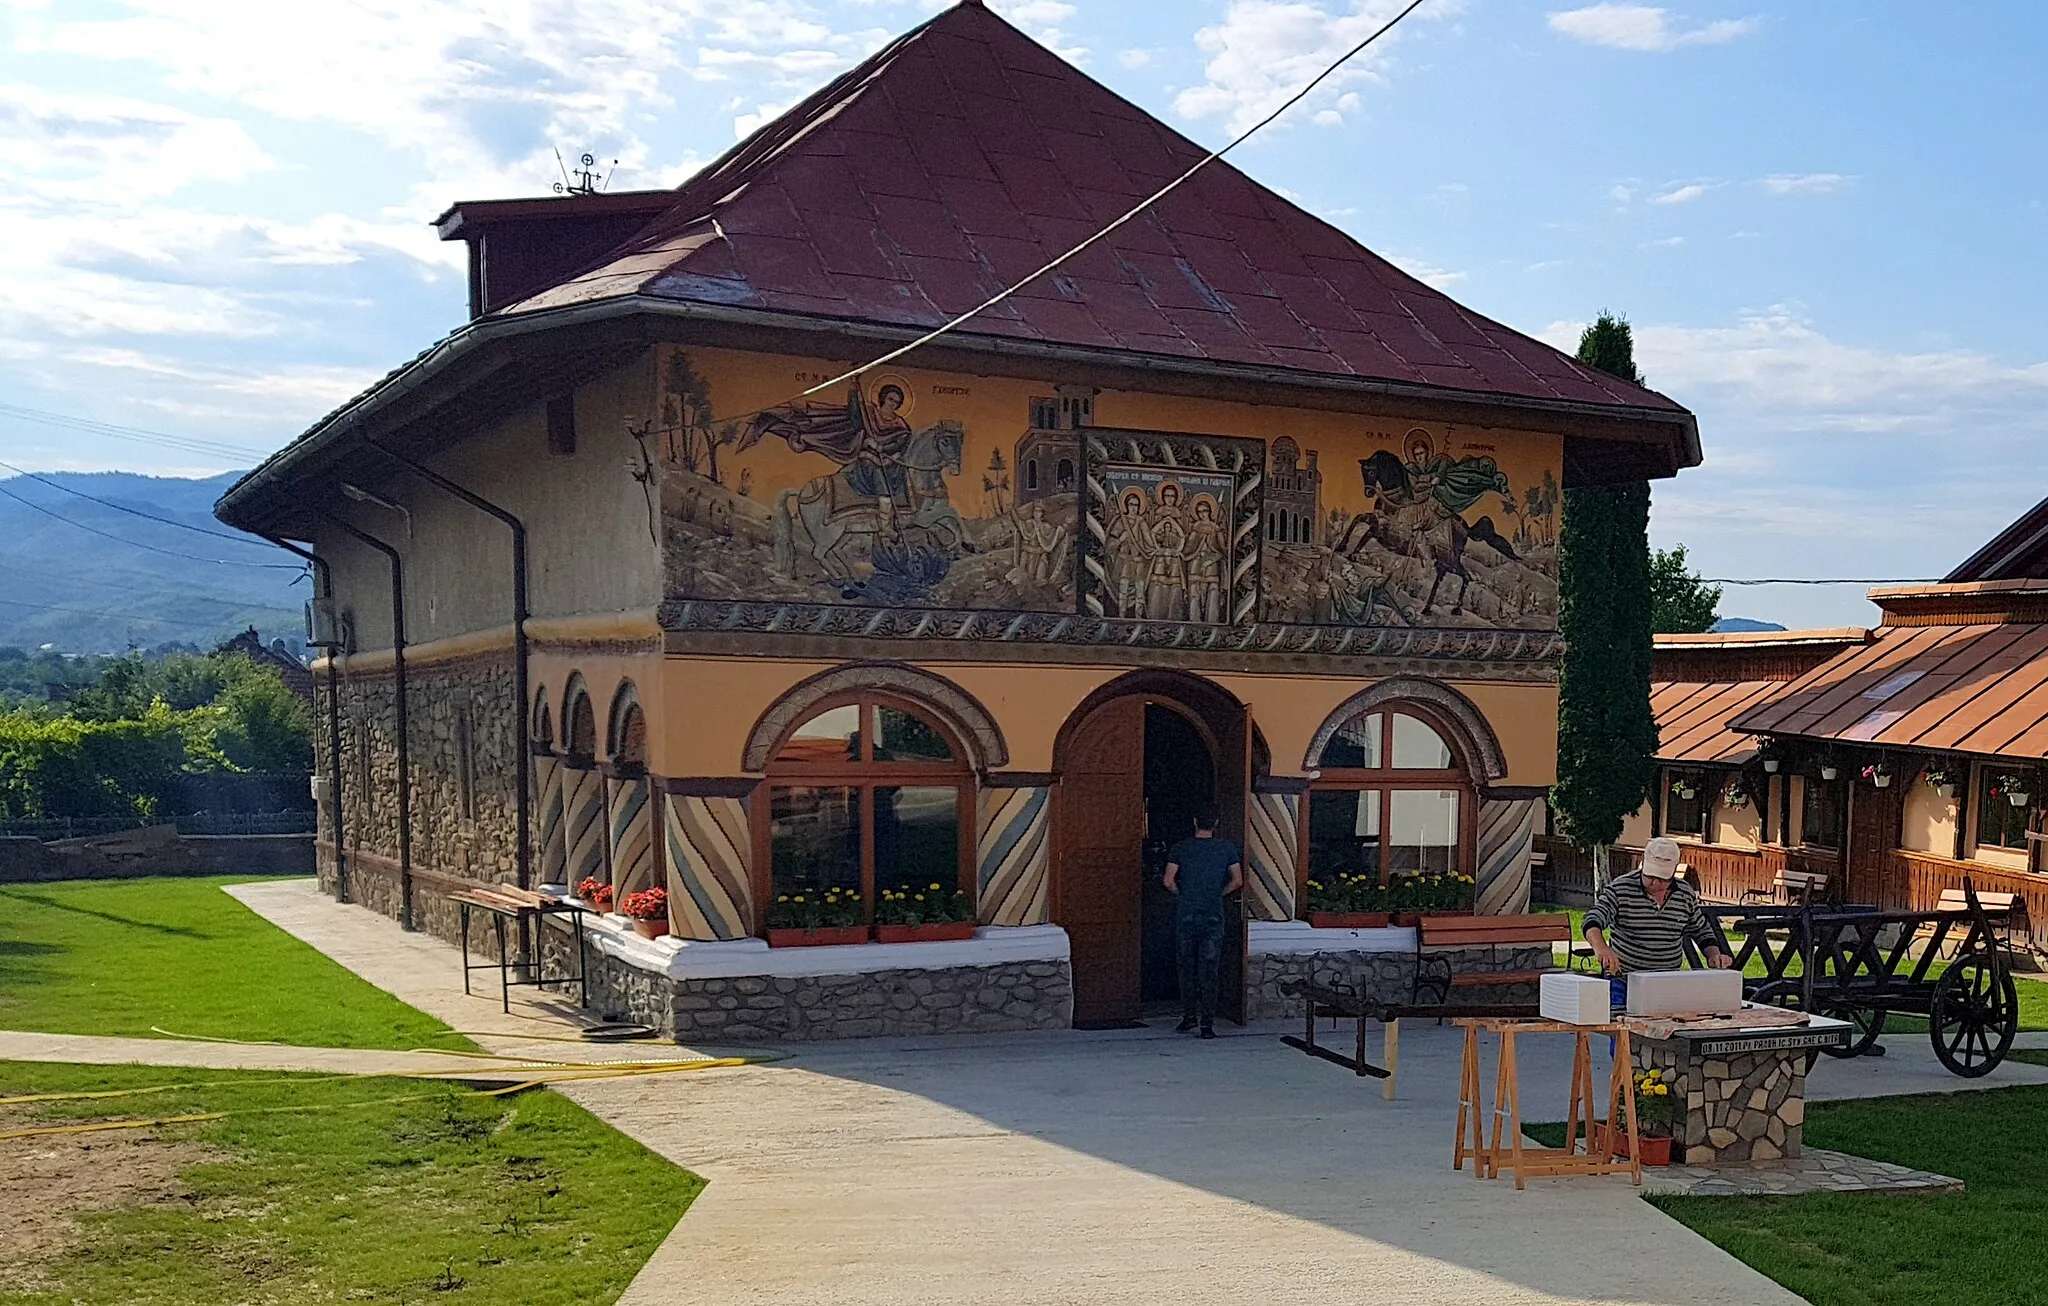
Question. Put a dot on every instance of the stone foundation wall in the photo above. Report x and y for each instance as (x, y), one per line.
(1008, 998)
(1385, 976)
(1747, 1106)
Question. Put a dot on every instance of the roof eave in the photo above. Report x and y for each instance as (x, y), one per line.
(237, 507)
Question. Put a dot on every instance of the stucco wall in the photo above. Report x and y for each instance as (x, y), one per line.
(589, 546)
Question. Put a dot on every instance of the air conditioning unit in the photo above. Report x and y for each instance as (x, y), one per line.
(322, 630)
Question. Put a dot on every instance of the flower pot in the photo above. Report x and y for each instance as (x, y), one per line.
(1945, 791)
(1348, 920)
(924, 933)
(1770, 766)
(828, 936)
(1829, 772)
(649, 929)
(1881, 781)
(1656, 1149)
(2018, 799)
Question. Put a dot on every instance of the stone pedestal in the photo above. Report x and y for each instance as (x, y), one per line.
(1743, 1093)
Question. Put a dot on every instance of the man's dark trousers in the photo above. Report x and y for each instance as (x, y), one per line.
(1201, 956)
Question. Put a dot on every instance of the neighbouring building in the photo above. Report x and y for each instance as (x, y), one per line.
(1898, 760)
(1227, 511)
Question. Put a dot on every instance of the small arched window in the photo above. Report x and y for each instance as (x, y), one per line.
(579, 724)
(1393, 798)
(867, 796)
(1031, 473)
(1065, 474)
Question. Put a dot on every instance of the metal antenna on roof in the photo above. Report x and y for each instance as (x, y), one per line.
(1149, 201)
(583, 181)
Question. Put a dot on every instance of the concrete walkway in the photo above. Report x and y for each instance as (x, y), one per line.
(93, 1050)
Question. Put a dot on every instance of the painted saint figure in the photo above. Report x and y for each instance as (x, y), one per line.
(868, 438)
(1166, 541)
(1205, 551)
(1039, 544)
(1126, 547)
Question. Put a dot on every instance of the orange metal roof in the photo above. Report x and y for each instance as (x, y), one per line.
(1980, 688)
(1692, 718)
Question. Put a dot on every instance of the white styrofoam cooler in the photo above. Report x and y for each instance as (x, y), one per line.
(1574, 999)
(1684, 993)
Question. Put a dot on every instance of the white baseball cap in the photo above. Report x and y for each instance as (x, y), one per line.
(1660, 858)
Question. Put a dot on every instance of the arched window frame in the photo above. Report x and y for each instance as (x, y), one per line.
(866, 775)
(577, 708)
(1386, 779)
(626, 748)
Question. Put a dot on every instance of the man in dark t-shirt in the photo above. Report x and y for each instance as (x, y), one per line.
(1200, 871)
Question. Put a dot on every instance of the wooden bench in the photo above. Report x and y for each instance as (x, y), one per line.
(2000, 907)
(1790, 889)
(1490, 932)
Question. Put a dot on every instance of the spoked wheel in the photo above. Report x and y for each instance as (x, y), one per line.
(1868, 1023)
(1975, 1013)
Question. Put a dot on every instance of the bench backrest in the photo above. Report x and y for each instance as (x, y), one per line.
(1801, 881)
(1483, 931)
(1995, 904)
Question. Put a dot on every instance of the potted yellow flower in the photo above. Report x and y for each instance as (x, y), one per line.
(919, 915)
(1657, 1112)
(814, 918)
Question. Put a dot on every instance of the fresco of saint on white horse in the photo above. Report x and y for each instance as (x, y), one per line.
(1440, 543)
(872, 513)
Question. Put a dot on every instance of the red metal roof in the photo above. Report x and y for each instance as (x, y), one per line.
(1979, 689)
(964, 156)
(1692, 718)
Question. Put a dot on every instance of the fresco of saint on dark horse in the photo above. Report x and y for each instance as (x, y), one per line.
(1421, 506)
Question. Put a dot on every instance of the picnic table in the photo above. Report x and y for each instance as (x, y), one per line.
(508, 903)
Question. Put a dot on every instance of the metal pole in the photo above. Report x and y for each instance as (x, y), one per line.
(523, 761)
(326, 584)
(403, 710)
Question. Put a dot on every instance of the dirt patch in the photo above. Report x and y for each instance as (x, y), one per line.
(53, 1179)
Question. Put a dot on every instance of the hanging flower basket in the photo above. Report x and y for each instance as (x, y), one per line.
(2013, 788)
(1879, 777)
(1770, 766)
(1829, 772)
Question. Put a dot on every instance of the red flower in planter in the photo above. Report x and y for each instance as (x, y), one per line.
(595, 892)
(646, 905)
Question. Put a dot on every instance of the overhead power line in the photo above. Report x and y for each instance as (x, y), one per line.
(1804, 580)
(184, 443)
(1154, 198)
(137, 512)
(137, 544)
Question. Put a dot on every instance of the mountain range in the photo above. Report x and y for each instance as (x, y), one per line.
(104, 562)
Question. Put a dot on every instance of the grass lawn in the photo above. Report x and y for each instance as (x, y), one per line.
(452, 1197)
(1866, 1249)
(118, 956)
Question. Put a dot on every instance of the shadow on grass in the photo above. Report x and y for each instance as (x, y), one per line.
(181, 931)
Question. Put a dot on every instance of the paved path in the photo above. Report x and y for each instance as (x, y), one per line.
(94, 1050)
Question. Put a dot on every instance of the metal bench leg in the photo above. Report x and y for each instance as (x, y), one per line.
(465, 948)
(504, 969)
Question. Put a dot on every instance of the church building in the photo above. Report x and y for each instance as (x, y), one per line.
(1226, 513)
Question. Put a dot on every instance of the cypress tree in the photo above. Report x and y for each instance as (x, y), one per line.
(1606, 735)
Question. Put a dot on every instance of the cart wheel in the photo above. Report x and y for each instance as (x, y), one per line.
(1868, 1023)
(1974, 1015)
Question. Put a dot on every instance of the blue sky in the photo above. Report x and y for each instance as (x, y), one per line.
(1824, 217)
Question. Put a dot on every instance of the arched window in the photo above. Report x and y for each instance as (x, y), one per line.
(629, 729)
(868, 794)
(579, 723)
(1394, 798)
(1064, 474)
(1031, 473)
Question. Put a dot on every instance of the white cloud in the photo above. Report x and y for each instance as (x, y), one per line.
(1664, 242)
(1265, 50)
(1134, 58)
(1804, 183)
(1642, 27)
(1426, 272)
(1684, 194)
(1042, 18)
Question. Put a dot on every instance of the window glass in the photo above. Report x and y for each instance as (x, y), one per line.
(905, 737)
(814, 839)
(1417, 747)
(1422, 830)
(1685, 802)
(1355, 746)
(831, 736)
(1344, 831)
(1999, 823)
(917, 838)
(1820, 813)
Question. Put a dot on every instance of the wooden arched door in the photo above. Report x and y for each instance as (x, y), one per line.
(1100, 830)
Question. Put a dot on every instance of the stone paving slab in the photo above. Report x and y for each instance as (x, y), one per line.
(1817, 1170)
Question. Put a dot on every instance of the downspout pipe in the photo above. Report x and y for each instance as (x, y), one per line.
(521, 689)
(403, 707)
(325, 581)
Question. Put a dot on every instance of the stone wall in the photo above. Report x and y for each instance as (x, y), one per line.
(1746, 1106)
(1014, 996)
(1384, 976)
(160, 850)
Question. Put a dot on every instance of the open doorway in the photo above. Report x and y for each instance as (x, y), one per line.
(1180, 783)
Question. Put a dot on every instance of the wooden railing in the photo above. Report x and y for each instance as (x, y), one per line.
(1723, 874)
(1914, 881)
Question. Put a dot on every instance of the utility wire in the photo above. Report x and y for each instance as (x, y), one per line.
(186, 443)
(1156, 196)
(137, 512)
(1796, 580)
(137, 544)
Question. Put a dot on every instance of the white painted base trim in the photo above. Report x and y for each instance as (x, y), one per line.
(1283, 938)
(688, 959)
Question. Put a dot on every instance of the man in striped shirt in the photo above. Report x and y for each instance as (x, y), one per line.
(1641, 921)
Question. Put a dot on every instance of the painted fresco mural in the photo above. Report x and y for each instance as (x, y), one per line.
(908, 491)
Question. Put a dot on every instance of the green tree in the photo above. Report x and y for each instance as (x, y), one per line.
(1680, 602)
(1606, 735)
